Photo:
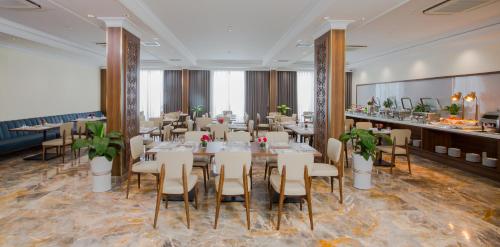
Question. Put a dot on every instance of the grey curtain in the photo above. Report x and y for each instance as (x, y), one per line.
(199, 89)
(257, 94)
(172, 90)
(348, 90)
(287, 89)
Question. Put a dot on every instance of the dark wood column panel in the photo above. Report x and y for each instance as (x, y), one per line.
(185, 91)
(103, 91)
(122, 85)
(273, 91)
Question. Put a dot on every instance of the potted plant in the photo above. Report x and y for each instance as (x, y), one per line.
(453, 109)
(388, 103)
(364, 144)
(262, 142)
(204, 140)
(102, 149)
(420, 108)
(283, 109)
(197, 110)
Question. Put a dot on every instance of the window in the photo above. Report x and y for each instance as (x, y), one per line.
(151, 93)
(305, 91)
(228, 92)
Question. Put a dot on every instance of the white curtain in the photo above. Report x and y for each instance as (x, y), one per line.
(151, 93)
(305, 91)
(228, 92)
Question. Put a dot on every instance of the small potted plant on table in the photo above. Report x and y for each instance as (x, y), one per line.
(262, 142)
(453, 109)
(204, 141)
(102, 149)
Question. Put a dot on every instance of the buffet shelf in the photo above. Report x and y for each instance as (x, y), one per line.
(432, 135)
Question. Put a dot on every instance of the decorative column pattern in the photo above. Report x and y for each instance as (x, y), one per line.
(122, 89)
(321, 65)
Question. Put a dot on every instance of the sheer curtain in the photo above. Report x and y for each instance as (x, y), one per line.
(228, 92)
(151, 93)
(305, 91)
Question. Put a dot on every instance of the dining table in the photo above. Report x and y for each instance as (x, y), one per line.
(43, 128)
(302, 131)
(147, 130)
(233, 126)
(89, 119)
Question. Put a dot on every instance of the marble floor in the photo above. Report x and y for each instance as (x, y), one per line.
(51, 204)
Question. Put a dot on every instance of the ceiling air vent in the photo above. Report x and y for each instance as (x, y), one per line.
(450, 7)
(175, 60)
(303, 45)
(103, 44)
(19, 4)
(355, 47)
(150, 43)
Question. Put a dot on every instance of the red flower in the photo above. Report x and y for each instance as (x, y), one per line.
(264, 139)
(220, 120)
(205, 138)
(259, 140)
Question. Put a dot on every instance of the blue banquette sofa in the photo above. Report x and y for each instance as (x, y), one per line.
(12, 141)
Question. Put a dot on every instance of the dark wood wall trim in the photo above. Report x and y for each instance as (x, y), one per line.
(103, 91)
(273, 91)
(185, 90)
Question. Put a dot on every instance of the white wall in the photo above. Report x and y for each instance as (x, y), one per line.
(474, 52)
(34, 84)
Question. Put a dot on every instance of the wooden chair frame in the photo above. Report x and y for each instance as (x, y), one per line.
(185, 195)
(246, 195)
(130, 173)
(60, 149)
(393, 155)
(282, 196)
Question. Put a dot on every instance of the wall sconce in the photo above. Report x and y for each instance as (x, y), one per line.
(456, 97)
(471, 97)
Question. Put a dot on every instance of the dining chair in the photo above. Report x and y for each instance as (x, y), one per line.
(364, 125)
(167, 133)
(292, 181)
(250, 128)
(240, 136)
(233, 169)
(308, 116)
(66, 139)
(246, 118)
(137, 163)
(400, 147)
(219, 131)
(157, 122)
(260, 125)
(202, 122)
(81, 133)
(331, 169)
(176, 179)
(274, 138)
(200, 161)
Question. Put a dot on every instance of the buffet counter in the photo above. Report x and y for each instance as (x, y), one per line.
(432, 135)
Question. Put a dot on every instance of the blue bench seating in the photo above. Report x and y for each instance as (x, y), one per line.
(12, 141)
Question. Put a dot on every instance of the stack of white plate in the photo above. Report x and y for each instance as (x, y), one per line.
(490, 162)
(454, 152)
(416, 143)
(472, 157)
(440, 149)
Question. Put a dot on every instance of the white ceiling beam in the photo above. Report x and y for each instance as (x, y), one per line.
(21, 31)
(139, 9)
(297, 27)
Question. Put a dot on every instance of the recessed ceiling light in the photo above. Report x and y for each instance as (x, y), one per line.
(229, 28)
(91, 16)
(326, 17)
(363, 18)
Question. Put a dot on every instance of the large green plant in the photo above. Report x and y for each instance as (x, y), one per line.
(454, 109)
(197, 110)
(364, 141)
(283, 109)
(388, 103)
(99, 143)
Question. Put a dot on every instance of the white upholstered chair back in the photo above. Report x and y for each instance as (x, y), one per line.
(233, 163)
(167, 132)
(295, 163)
(218, 130)
(147, 124)
(250, 126)
(349, 124)
(173, 161)
(239, 136)
(136, 146)
(334, 149)
(194, 136)
(66, 128)
(156, 121)
(286, 119)
(364, 125)
(202, 122)
(246, 118)
(81, 127)
(400, 136)
(277, 137)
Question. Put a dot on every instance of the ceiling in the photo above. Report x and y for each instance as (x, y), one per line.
(235, 33)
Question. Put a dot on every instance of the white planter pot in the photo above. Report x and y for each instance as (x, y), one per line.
(362, 170)
(101, 174)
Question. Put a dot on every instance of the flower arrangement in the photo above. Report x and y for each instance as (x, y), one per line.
(204, 140)
(262, 142)
(220, 120)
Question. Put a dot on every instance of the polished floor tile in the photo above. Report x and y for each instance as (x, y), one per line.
(51, 204)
